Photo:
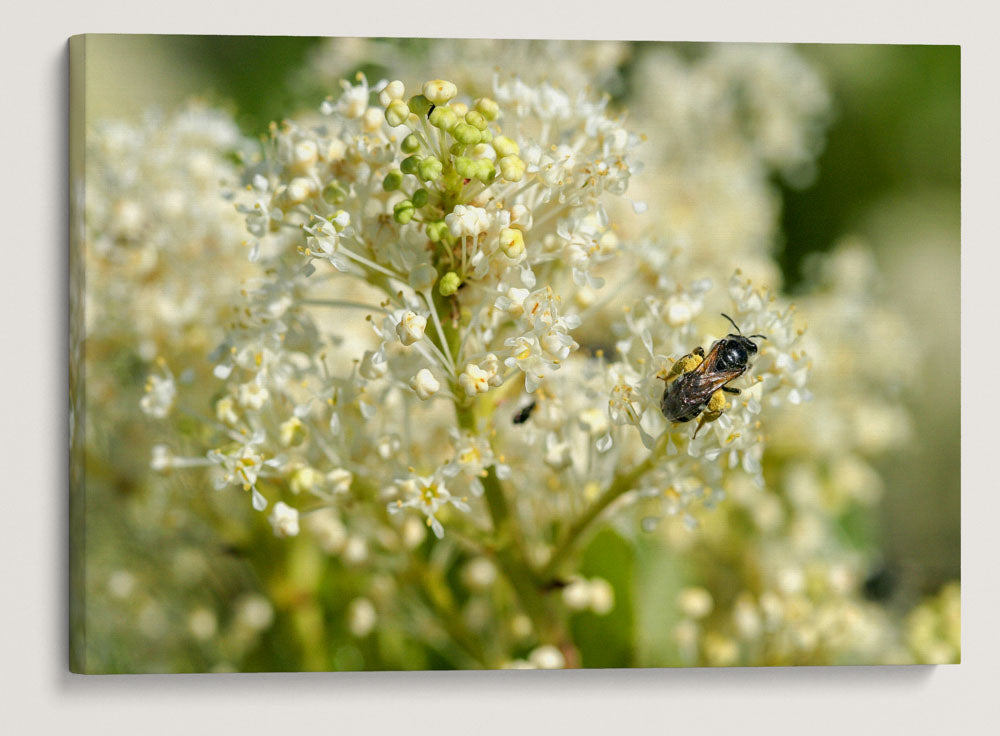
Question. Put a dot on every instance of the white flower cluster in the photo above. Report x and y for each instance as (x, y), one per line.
(457, 321)
(161, 237)
(575, 65)
(472, 233)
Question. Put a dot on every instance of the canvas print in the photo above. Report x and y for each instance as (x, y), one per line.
(408, 354)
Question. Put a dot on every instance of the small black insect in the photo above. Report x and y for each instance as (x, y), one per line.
(695, 384)
(522, 416)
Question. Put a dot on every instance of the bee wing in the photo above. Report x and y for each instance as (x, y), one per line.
(707, 364)
(701, 384)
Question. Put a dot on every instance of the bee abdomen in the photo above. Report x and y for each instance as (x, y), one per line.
(675, 406)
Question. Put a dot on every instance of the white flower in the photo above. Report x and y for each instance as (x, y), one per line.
(479, 574)
(254, 612)
(547, 657)
(465, 221)
(576, 595)
(225, 410)
(361, 617)
(410, 327)
(162, 458)
(159, 398)
(428, 494)
(425, 384)
(340, 480)
(695, 602)
(242, 465)
(394, 90)
(512, 301)
(473, 455)
(284, 520)
(602, 596)
(202, 623)
(328, 530)
(373, 365)
(253, 395)
(293, 431)
(474, 380)
(354, 100)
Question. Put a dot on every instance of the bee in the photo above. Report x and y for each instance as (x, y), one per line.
(696, 381)
(524, 414)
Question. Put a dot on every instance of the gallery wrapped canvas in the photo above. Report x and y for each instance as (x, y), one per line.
(402, 354)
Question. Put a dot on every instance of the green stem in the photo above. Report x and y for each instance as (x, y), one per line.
(439, 597)
(621, 484)
(436, 593)
(510, 549)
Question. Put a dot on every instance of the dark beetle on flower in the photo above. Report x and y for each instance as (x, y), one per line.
(696, 381)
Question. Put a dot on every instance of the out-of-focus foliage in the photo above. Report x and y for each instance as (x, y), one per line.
(801, 167)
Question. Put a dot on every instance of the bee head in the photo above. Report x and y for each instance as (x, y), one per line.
(736, 350)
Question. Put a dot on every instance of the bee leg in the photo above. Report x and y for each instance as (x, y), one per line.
(716, 405)
(729, 390)
(688, 363)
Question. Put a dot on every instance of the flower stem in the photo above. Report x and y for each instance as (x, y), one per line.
(621, 484)
(439, 598)
(510, 551)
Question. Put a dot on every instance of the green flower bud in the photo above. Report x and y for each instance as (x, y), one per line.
(439, 91)
(476, 119)
(392, 91)
(430, 169)
(419, 105)
(485, 136)
(420, 198)
(409, 164)
(485, 170)
(410, 144)
(436, 230)
(449, 284)
(504, 146)
(392, 181)
(465, 167)
(512, 168)
(488, 108)
(396, 113)
(465, 133)
(334, 193)
(403, 212)
(443, 118)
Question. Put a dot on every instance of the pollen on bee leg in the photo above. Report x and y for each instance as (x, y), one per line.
(716, 404)
(684, 365)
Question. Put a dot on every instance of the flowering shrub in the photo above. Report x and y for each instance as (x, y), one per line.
(439, 324)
